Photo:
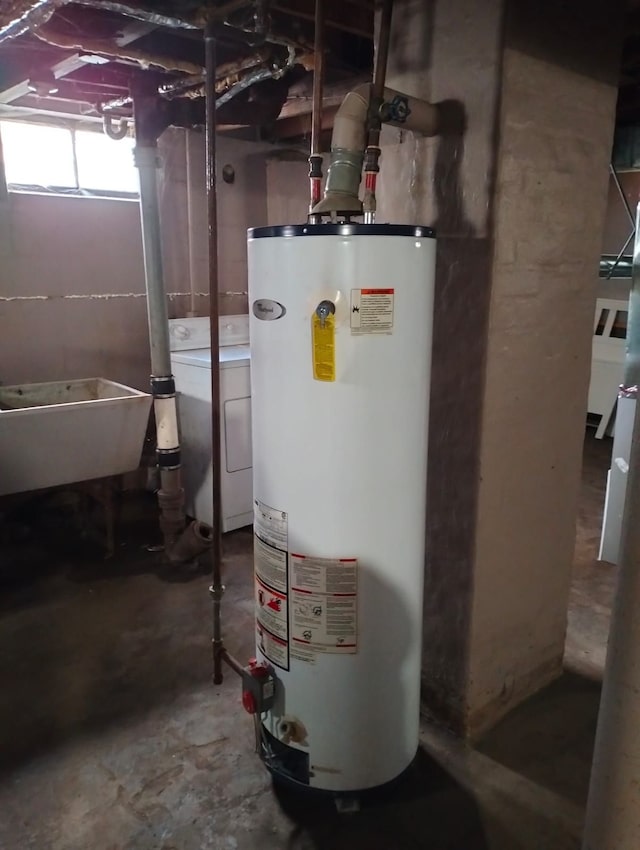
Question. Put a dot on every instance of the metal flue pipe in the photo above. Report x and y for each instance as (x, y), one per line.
(180, 545)
(171, 494)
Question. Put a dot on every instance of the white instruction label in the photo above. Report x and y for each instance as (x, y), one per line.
(273, 648)
(270, 525)
(372, 311)
(270, 565)
(271, 537)
(302, 653)
(324, 604)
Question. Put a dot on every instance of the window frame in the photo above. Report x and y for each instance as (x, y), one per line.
(63, 191)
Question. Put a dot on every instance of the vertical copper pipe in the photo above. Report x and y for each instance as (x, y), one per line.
(318, 79)
(214, 311)
(372, 152)
(382, 52)
(315, 159)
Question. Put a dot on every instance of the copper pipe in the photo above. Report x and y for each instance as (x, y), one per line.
(382, 51)
(315, 159)
(374, 123)
(212, 222)
(294, 11)
(318, 79)
(232, 662)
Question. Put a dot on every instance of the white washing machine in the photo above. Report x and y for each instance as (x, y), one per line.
(191, 364)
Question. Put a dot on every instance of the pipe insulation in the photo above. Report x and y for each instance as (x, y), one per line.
(25, 15)
(349, 139)
(111, 50)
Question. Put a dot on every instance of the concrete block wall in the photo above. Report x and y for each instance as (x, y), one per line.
(287, 188)
(72, 280)
(556, 125)
(516, 187)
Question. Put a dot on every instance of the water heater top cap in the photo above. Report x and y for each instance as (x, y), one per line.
(344, 229)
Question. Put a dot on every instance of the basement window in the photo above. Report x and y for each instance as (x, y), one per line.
(58, 160)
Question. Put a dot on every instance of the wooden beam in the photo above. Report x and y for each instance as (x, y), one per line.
(354, 19)
(74, 62)
(300, 125)
(299, 100)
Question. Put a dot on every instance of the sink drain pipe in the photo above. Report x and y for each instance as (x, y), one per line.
(180, 546)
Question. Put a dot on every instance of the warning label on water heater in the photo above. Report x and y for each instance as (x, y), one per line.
(323, 603)
(270, 525)
(372, 311)
(271, 582)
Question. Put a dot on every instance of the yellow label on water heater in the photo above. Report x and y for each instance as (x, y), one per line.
(323, 335)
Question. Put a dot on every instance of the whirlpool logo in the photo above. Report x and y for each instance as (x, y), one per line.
(268, 310)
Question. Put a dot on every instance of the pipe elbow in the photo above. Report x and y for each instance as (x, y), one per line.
(195, 540)
(349, 140)
(347, 153)
(349, 124)
(115, 130)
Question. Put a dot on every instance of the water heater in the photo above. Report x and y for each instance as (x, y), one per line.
(341, 328)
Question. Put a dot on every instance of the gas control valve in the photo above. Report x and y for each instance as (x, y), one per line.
(258, 687)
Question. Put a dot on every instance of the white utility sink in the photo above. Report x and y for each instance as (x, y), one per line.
(67, 431)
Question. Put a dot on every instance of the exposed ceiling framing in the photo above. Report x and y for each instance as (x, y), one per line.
(60, 40)
(50, 50)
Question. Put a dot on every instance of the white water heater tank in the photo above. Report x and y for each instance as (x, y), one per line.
(341, 329)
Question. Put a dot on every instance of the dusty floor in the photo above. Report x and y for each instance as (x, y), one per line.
(112, 736)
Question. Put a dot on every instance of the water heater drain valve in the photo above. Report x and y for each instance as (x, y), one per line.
(258, 687)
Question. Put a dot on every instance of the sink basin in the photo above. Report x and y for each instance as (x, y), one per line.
(67, 431)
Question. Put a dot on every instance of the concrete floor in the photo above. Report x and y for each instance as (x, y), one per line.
(112, 735)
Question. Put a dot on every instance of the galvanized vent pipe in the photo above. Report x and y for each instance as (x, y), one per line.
(171, 494)
(179, 546)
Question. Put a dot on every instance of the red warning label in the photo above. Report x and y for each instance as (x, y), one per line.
(271, 610)
(372, 311)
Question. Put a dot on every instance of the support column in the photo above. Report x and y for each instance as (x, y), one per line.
(516, 186)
